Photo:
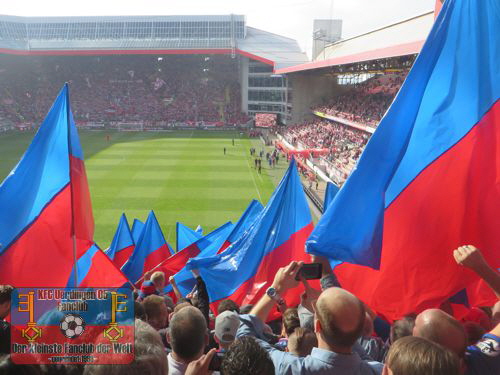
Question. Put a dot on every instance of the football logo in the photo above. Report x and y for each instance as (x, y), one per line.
(72, 326)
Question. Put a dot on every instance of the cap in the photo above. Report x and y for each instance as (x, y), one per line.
(147, 289)
(226, 325)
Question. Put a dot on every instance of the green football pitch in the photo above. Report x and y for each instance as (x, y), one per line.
(183, 176)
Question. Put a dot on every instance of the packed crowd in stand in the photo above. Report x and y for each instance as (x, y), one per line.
(344, 143)
(175, 89)
(329, 332)
(365, 103)
(265, 120)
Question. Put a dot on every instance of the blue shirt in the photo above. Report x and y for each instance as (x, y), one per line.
(319, 362)
(484, 357)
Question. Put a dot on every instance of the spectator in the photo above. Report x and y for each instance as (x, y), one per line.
(301, 342)
(474, 332)
(417, 356)
(290, 322)
(153, 284)
(247, 308)
(156, 311)
(149, 356)
(228, 305)
(495, 314)
(339, 321)
(188, 337)
(482, 358)
(140, 312)
(247, 357)
(372, 345)
(226, 326)
(402, 328)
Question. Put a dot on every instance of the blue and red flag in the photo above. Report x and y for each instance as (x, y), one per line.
(185, 236)
(137, 227)
(253, 210)
(46, 221)
(150, 250)
(122, 246)
(95, 269)
(208, 246)
(330, 193)
(177, 261)
(247, 268)
(427, 181)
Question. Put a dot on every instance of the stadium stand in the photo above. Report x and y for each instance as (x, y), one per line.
(153, 91)
(365, 103)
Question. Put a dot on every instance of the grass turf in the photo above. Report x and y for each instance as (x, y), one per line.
(183, 176)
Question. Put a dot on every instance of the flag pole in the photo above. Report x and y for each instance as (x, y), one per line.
(73, 235)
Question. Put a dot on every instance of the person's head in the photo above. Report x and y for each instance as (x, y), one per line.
(149, 355)
(246, 309)
(187, 334)
(228, 305)
(474, 332)
(226, 325)
(437, 326)
(5, 296)
(417, 356)
(290, 321)
(402, 328)
(302, 341)
(140, 312)
(246, 357)
(183, 300)
(156, 311)
(179, 306)
(169, 302)
(368, 326)
(339, 320)
(479, 316)
(158, 279)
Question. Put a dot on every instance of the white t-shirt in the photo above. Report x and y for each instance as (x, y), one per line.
(174, 367)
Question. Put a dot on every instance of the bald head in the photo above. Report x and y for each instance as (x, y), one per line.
(341, 317)
(188, 333)
(442, 328)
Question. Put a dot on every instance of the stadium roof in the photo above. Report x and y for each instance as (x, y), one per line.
(400, 39)
(222, 34)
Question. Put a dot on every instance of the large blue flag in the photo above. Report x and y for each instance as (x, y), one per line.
(220, 239)
(151, 249)
(122, 245)
(330, 193)
(137, 227)
(176, 262)
(185, 236)
(427, 181)
(46, 221)
(246, 220)
(208, 246)
(246, 269)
